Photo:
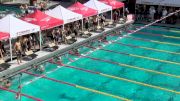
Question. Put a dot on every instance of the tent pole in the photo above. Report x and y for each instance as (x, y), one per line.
(63, 27)
(40, 41)
(135, 8)
(123, 11)
(82, 24)
(10, 46)
(111, 15)
(98, 19)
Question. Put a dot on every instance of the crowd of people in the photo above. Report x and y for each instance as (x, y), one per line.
(26, 9)
(151, 13)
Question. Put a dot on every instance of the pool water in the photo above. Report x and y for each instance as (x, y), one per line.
(15, 9)
(129, 76)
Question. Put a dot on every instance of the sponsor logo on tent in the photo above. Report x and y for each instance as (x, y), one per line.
(73, 19)
(84, 8)
(25, 32)
(77, 8)
(30, 19)
(74, 8)
(4, 37)
(113, 2)
(46, 19)
(104, 10)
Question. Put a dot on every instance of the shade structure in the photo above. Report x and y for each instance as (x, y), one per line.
(81, 9)
(66, 15)
(4, 36)
(149, 2)
(115, 4)
(99, 6)
(41, 19)
(173, 3)
(16, 27)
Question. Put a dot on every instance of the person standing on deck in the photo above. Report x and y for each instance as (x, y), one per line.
(152, 11)
(164, 13)
(24, 44)
(86, 21)
(18, 51)
(159, 12)
(2, 50)
(115, 16)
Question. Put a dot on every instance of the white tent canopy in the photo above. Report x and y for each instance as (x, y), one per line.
(66, 15)
(16, 27)
(174, 3)
(99, 6)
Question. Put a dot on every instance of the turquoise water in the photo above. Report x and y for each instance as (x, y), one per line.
(10, 8)
(131, 83)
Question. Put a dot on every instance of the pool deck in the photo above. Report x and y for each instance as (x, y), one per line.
(63, 48)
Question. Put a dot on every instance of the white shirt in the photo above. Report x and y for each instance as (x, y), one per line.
(164, 13)
(152, 11)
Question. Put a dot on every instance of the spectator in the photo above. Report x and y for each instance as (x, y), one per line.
(126, 11)
(86, 21)
(95, 22)
(159, 12)
(22, 9)
(35, 3)
(115, 16)
(152, 11)
(102, 17)
(24, 44)
(164, 13)
(26, 9)
(2, 50)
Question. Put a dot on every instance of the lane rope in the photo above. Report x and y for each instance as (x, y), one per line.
(120, 78)
(134, 67)
(148, 40)
(160, 35)
(139, 56)
(147, 48)
(159, 29)
(78, 86)
(28, 96)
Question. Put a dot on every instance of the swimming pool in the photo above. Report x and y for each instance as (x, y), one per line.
(130, 68)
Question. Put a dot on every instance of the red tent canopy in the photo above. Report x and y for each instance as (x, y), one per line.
(4, 35)
(81, 9)
(41, 19)
(115, 4)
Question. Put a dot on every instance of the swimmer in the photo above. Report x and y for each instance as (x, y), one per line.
(7, 84)
(58, 58)
(104, 39)
(41, 68)
(75, 51)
